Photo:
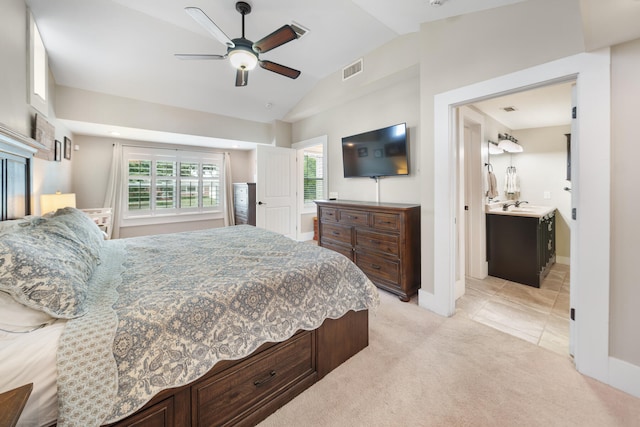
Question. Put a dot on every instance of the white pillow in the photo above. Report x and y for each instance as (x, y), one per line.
(16, 317)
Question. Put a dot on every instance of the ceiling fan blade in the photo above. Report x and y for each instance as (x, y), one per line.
(188, 56)
(280, 69)
(242, 77)
(201, 18)
(279, 37)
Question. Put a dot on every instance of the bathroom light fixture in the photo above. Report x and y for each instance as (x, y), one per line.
(509, 143)
(493, 148)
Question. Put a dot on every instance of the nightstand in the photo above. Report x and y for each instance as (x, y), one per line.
(102, 217)
(12, 403)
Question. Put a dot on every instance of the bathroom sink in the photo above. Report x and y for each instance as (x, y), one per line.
(526, 210)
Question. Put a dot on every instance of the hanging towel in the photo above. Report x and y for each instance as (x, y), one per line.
(492, 193)
(511, 183)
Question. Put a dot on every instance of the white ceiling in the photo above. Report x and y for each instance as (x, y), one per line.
(541, 107)
(126, 47)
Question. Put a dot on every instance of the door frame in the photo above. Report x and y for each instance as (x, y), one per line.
(301, 208)
(590, 243)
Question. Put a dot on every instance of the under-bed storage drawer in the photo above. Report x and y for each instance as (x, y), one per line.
(245, 388)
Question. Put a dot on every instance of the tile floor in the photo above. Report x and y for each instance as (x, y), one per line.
(538, 315)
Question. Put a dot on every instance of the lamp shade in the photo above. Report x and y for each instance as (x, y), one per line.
(510, 146)
(494, 149)
(242, 58)
(53, 202)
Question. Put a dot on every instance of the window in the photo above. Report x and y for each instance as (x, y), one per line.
(38, 69)
(313, 173)
(163, 183)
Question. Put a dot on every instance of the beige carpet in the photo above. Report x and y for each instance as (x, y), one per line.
(421, 369)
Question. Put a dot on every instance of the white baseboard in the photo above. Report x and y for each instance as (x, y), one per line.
(303, 237)
(563, 260)
(428, 300)
(624, 376)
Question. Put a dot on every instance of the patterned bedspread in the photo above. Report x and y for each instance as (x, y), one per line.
(164, 309)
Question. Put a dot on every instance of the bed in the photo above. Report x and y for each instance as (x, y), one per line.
(215, 327)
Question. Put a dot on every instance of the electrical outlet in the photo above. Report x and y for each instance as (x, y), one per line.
(547, 194)
(333, 195)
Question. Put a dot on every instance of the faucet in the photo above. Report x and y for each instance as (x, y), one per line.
(519, 202)
(506, 205)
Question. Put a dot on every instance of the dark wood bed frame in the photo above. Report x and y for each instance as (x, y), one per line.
(240, 392)
(246, 391)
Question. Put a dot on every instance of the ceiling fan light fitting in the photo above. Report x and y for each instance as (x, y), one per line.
(243, 59)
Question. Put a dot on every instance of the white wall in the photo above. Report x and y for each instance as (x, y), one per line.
(625, 230)
(15, 111)
(387, 106)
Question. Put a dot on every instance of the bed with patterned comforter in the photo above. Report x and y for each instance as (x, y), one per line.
(162, 310)
(152, 313)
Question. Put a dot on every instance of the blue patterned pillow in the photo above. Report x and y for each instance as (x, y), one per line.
(45, 266)
(82, 226)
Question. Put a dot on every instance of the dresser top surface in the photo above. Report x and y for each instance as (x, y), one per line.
(363, 204)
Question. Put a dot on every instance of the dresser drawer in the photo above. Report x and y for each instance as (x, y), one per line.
(344, 250)
(240, 190)
(234, 391)
(328, 214)
(378, 267)
(386, 243)
(353, 217)
(337, 233)
(385, 221)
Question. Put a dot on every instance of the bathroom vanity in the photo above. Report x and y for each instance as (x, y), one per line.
(521, 244)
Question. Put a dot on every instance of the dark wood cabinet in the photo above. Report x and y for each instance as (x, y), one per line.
(521, 249)
(383, 239)
(244, 203)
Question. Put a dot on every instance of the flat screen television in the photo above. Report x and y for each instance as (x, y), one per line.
(380, 152)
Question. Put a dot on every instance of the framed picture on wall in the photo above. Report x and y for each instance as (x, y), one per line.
(67, 148)
(58, 151)
(44, 133)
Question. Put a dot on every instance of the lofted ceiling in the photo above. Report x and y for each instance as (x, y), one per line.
(126, 48)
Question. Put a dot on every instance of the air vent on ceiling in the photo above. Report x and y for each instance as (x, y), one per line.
(510, 109)
(299, 29)
(352, 70)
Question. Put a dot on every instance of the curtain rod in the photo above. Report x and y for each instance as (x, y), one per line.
(173, 149)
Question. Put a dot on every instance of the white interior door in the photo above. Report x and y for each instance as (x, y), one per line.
(460, 236)
(276, 190)
(475, 159)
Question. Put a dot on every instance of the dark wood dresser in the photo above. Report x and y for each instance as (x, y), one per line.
(383, 239)
(244, 202)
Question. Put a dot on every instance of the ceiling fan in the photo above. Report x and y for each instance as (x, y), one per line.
(244, 54)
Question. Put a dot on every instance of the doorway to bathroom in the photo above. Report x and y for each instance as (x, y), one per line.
(539, 121)
(591, 165)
